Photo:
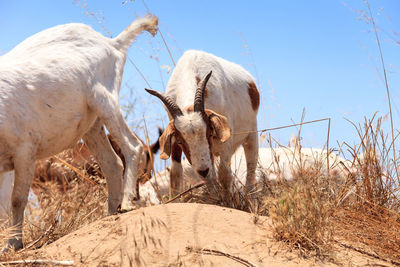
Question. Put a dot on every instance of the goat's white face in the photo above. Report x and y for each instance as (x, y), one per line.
(197, 136)
(193, 129)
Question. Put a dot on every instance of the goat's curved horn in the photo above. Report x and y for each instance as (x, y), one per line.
(199, 97)
(172, 107)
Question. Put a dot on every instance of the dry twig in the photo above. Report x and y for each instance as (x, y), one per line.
(51, 262)
(220, 253)
(185, 192)
(386, 85)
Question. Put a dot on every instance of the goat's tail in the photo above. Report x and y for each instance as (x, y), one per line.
(147, 23)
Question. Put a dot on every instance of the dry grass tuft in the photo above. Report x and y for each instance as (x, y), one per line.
(301, 216)
(360, 211)
(57, 214)
(215, 194)
(60, 213)
(374, 232)
(369, 220)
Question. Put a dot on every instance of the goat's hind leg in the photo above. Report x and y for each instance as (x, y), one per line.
(24, 166)
(110, 164)
(107, 108)
(251, 152)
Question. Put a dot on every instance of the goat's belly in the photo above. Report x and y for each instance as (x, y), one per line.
(60, 134)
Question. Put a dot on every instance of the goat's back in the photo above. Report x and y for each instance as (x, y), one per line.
(45, 82)
(231, 90)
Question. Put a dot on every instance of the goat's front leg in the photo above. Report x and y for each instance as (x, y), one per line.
(24, 166)
(224, 169)
(107, 108)
(176, 170)
(110, 164)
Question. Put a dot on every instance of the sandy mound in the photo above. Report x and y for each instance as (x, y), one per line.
(170, 235)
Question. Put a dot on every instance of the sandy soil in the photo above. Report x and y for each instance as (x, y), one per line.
(175, 234)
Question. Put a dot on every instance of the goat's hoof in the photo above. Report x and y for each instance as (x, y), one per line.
(122, 211)
(251, 188)
(12, 244)
(126, 207)
(4, 250)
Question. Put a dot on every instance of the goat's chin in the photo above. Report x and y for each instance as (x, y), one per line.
(205, 179)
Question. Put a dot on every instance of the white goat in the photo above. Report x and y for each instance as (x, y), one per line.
(56, 87)
(283, 162)
(273, 164)
(216, 117)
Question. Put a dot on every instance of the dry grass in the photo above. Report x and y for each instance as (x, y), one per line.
(374, 233)
(360, 212)
(215, 194)
(313, 214)
(301, 216)
(63, 212)
(370, 218)
(57, 213)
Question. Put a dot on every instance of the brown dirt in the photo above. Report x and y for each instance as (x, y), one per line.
(161, 235)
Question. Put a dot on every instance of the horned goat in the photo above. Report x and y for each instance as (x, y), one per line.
(209, 117)
(56, 87)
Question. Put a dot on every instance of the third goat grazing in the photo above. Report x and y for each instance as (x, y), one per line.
(274, 164)
(211, 114)
(81, 159)
(56, 87)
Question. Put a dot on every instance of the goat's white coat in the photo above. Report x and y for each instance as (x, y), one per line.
(148, 195)
(193, 129)
(281, 162)
(227, 95)
(56, 87)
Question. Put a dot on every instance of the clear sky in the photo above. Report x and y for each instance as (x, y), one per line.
(316, 55)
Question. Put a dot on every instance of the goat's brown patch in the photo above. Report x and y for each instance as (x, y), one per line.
(209, 136)
(254, 95)
(206, 90)
(181, 142)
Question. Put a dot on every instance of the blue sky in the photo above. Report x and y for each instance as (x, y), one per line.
(318, 55)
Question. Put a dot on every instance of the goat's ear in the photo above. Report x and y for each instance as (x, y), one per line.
(220, 125)
(165, 141)
(156, 146)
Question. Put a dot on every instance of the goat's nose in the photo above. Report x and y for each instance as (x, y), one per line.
(203, 173)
